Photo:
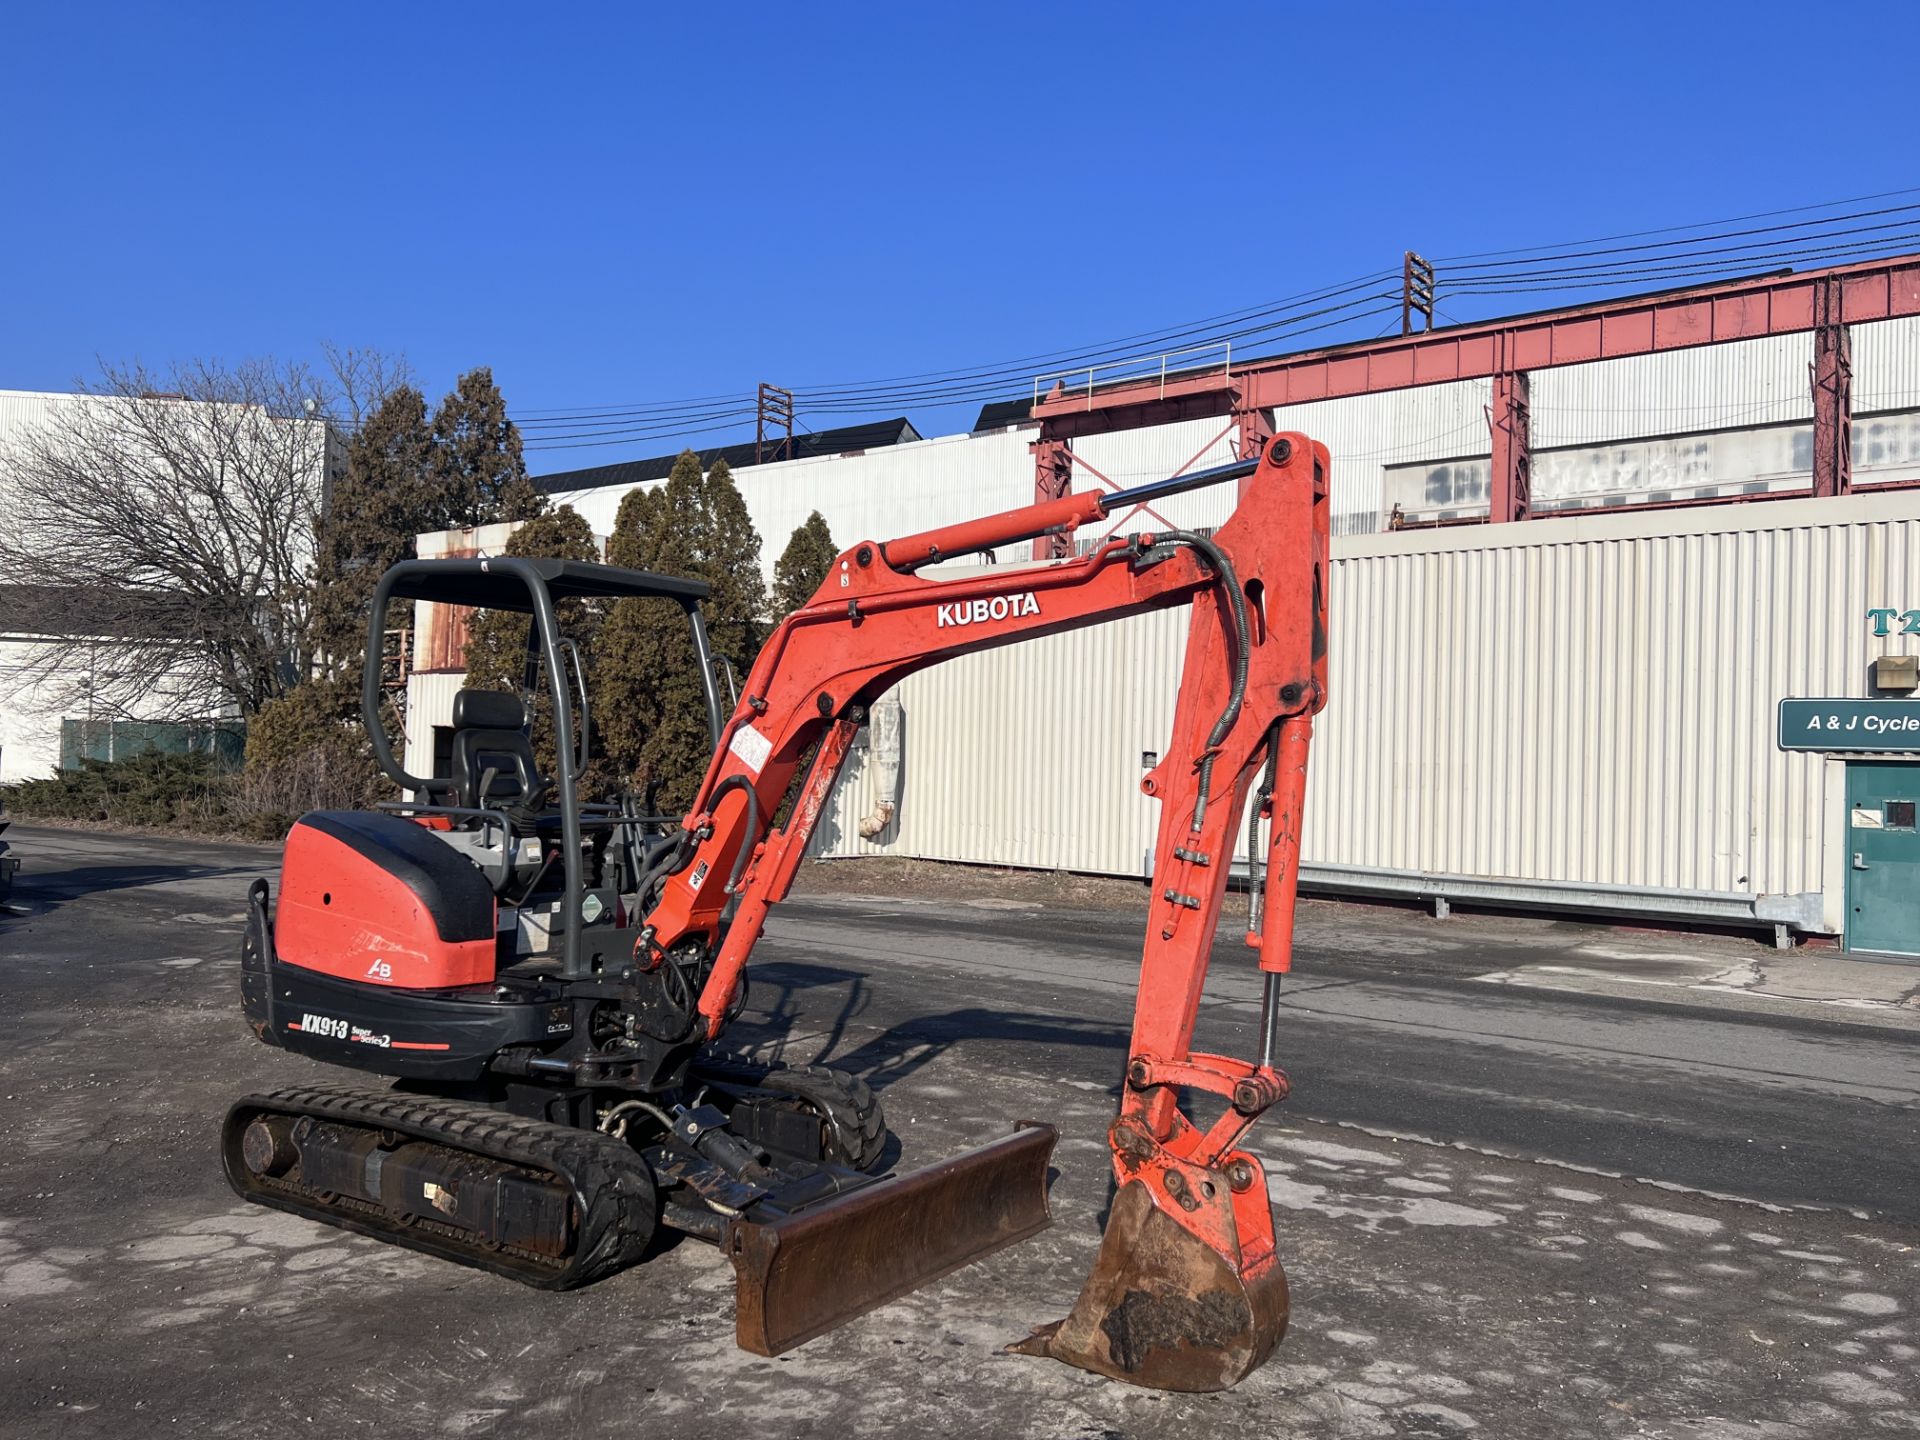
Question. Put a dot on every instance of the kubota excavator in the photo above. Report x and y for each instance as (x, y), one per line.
(547, 980)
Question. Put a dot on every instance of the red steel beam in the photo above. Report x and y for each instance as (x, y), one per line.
(1510, 426)
(1605, 330)
(1052, 480)
(1832, 395)
(1252, 430)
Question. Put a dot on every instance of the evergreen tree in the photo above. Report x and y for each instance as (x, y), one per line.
(803, 566)
(384, 496)
(628, 655)
(496, 652)
(800, 571)
(647, 675)
(407, 475)
(478, 462)
(726, 554)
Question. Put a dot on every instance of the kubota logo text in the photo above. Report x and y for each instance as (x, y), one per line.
(978, 612)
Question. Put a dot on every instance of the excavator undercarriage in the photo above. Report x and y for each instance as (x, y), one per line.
(546, 981)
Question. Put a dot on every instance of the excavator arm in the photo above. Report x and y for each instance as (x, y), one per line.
(1188, 1292)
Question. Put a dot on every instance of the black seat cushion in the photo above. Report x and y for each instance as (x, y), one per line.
(489, 736)
(488, 710)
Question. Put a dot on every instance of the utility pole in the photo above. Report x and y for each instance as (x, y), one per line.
(773, 417)
(1416, 291)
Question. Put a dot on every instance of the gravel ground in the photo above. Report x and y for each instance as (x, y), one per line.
(1438, 1290)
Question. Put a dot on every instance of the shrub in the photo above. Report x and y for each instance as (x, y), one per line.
(316, 713)
(150, 789)
(263, 801)
(306, 751)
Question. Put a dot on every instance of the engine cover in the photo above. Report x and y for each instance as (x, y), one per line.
(372, 898)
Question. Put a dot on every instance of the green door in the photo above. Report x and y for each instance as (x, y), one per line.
(1883, 858)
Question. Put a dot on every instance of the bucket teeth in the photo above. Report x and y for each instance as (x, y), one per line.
(1164, 1309)
(806, 1273)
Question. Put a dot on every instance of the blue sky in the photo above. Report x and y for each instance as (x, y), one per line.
(634, 204)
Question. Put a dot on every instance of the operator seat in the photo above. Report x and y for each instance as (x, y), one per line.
(489, 735)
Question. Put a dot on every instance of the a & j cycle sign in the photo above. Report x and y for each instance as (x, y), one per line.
(1875, 725)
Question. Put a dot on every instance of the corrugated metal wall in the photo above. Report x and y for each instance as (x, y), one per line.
(1594, 699)
(1133, 457)
(1367, 433)
(1715, 387)
(22, 408)
(429, 703)
(1886, 365)
(1585, 700)
(1028, 756)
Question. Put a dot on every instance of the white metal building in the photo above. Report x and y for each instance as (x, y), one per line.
(1576, 711)
(1578, 714)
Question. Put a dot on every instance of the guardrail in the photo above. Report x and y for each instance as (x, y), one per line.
(1785, 915)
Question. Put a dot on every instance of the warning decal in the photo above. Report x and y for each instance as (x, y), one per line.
(752, 747)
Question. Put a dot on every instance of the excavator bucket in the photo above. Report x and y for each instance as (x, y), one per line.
(805, 1274)
(1165, 1309)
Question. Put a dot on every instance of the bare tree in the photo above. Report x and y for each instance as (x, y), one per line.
(167, 520)
(362, 378)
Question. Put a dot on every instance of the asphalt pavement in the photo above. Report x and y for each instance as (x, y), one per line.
(1536, 1179)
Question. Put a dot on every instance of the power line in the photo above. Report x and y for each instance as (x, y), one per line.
(1757, 261)
(1672, 229)
(1906, 210)
(1012, 369)
(1694, 252)
(997, 380)
(1275, 307)
(989, 387)
(951, 394)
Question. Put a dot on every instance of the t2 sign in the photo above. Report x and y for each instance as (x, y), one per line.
(1883, 620)
(1879, 726)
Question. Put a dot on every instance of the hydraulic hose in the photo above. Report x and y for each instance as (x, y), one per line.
(678, 853)
(672, 856)
(739, 782)
(1237, 608)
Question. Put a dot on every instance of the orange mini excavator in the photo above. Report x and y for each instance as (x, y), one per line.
(547, 980)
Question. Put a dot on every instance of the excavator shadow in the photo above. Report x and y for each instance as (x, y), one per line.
(787, 1020)
(37, 892)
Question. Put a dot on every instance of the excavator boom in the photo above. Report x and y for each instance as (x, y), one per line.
(1188, 1291)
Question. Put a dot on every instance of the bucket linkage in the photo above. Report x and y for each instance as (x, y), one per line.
(1187, 1291)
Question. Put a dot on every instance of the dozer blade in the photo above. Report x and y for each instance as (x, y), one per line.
(1164, 1309)
(809, 1272)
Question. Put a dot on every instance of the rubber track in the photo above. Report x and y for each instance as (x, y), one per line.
(615, 1201)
